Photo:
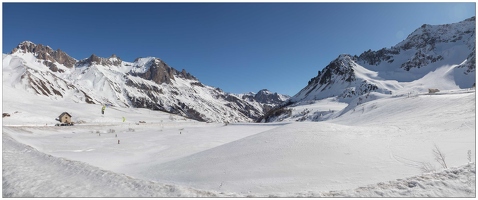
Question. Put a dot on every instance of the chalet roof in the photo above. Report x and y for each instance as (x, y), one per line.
(64, 113)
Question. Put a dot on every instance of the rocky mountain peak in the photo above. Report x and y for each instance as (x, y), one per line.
(157, 70)
(341, 66)
(94, 59)
(267, 97)
(471, 19)
(186, 75)
(47, 54)
(264, 91)
(25, 47)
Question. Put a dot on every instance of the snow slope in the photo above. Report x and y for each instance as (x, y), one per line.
(366, 153)
(332, 155)
(27, 172)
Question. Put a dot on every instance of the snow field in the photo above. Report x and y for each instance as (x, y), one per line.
(30, 173)
(381, 139)
(390, 140)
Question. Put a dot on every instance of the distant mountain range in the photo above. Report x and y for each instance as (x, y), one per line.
(151, 83)
(145, 83)
(393, 70)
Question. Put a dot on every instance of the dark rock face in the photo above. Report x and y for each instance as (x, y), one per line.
(242, 106)
(186, 75)
(376, 57)
(470, 63)
(48, 84)
(340, 67)
(266, 97)
(94, 59)
(275, 112)
(160, 72)
(47, 54)
(117, 60)
(153, 101)
(420, 60)
(63, 58)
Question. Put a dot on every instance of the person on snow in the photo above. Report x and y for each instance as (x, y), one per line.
(103, 109)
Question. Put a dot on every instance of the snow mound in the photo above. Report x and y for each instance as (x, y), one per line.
(453, 182)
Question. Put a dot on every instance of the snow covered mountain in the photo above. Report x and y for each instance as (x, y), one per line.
(367, 142)
(265, 98)
(433, 56)
(145, 83)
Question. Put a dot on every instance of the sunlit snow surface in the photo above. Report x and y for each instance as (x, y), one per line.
(373, 144)
(374, 149)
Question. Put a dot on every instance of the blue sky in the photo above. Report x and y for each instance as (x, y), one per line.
(238, 47)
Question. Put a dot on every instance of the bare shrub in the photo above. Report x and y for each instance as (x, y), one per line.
(439, 156)
(469, 156)
(426, 167)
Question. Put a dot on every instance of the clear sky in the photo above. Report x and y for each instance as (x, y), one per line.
(238, 47)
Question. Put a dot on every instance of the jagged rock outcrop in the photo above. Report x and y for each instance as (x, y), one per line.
(158, 71)
(266, 99)
(47, 54)
(96, 60)
(470, 63)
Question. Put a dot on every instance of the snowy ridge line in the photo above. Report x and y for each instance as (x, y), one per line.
(30, 173)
